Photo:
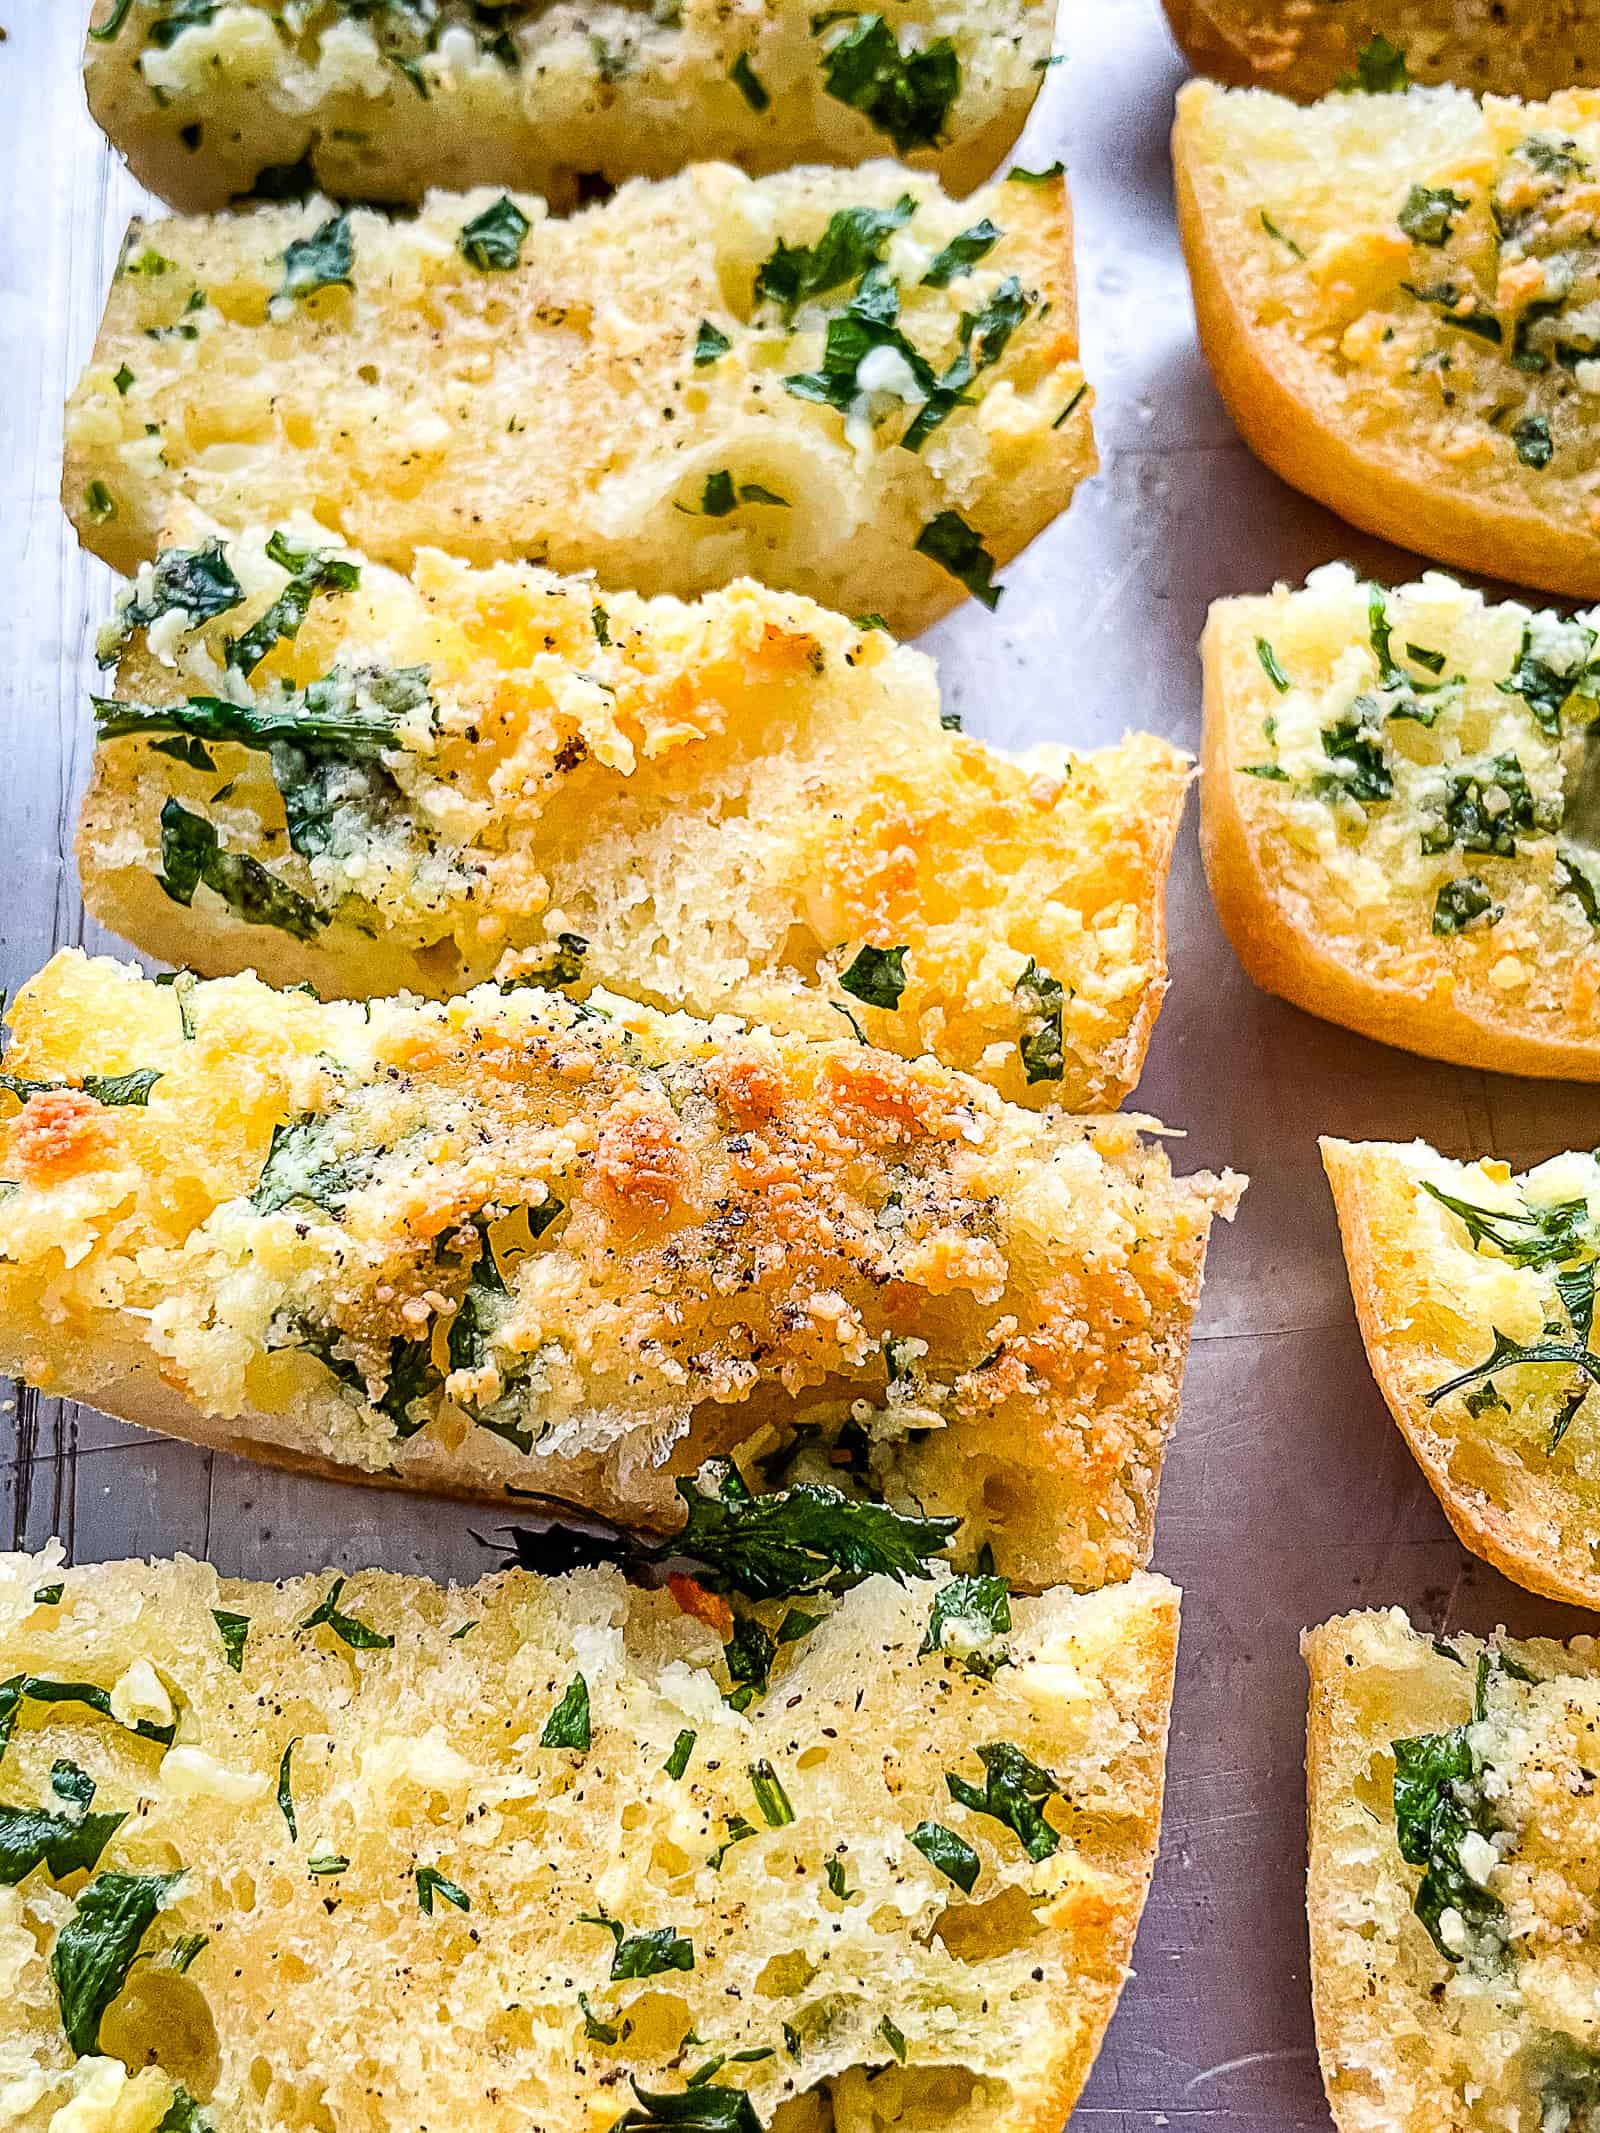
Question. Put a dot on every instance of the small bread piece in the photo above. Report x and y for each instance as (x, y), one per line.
(506, 1856)
(1454, 1986)
(510, 1244)
(1499, 1271)
(1395, 815)
(795, 378)
(1400, 316)
(1493, 47)
(748, 806)
(376, 103)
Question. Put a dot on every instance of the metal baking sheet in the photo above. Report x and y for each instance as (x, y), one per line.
(1288, 1495)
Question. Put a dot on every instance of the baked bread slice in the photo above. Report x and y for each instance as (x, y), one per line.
(838, 382)
(373, 104)
(512, 1245)
(1475, 1293)
(1402, 313)
(747, 806)
(508, 1853)
(1527, 48)
(1395, 815)
(1454, 1979)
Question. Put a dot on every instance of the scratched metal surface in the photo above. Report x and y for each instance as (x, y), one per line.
(1288, 1495)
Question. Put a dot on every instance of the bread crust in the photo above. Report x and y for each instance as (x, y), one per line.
(1526, 1523)
(1439, 1010)
(1285, 404)
(1301, 48)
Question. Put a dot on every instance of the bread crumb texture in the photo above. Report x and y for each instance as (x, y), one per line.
(745, 805)
(1454, 1838)
(1475, 1290)
(352, 1885)
(1396, 814)
(801, 378)
(1527, 48)
(372, 103)
(1400, 295)
(512, 1243)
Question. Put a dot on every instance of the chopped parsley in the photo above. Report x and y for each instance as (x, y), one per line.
(1438, 1800)
(643, 1954)
(349, 1629)
(99, 503)
(853, 242)
(1294, 250)
(1544, 688)
(1483, 808)
(324, 1864)
(771, 1798)
(1570, 879)
(906, 95)
(709, 343)
(1042, 1001)
(692, 2110)
(720, 495)
(1428, 213)
(568, 1724)
(967, 1616)
(310, 571)
(952, 1855)
(1462, 903)
(63, 1844)
(1270, 667)
(962, 254)
(876, 976)
(1016, 175)
(199, 583)
(95, 1949)
(682, 1748)
(192, 857)
(492, 242)
(810, 1538)
(286, 1789)
(955, 546)
(1014, 1792)
(324, 260)
(431, 1883)
(35, 1688)
(749, 83)
(1380, 70)
(233, 1630)
(1531, 436)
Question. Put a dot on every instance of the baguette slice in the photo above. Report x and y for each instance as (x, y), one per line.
(578, 407)
(1400, 320)
(374, 104)
(1512, 1454)
(732, 807)
(429, 1940)
(510, 1245)
(1491, 2031)
(1526, 48)
(1434, 885)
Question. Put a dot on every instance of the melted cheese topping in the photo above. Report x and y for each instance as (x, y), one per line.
(292, 1979)
(509, 1244)
(725, 803)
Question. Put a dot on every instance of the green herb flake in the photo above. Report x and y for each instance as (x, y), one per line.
(431, 1883)
(682, 1748)
(286, 1789)
(1016, 175)
(837, 1884)
(568, 1724)
(810, 1538)
(1270, 667)
(99, 503)
(643, 1954)
(958, 548)
(967, 1616)
(1294, 250)
(122, 378)
(853, 242)
(1380, 70)
(876, 976)
(324, 260)
(953, 1857)
(233, 1630)
(349, 1629)
(1014, 1792)
(962, 254)
(696, 2110)
(1462, 903)
(709, 344)
(48, 1595)
(906, 95)
(1428, 213)
(192, 858)
(770, 1796)
(95, 1949)
(492, 242)
(894, 2037)
(749, 83)
(1042, 1002)
(1531, 436)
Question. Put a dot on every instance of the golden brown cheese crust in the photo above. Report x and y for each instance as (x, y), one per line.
(542, 97)
(1413, 363)
(1442, 915)
(554, 408)
(724, 804)
(1503, 2040)
(580, 1253)
(1432, 1305)
(317, 1989)
(1304, 48)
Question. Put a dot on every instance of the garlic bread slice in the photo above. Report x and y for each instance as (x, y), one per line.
(747, 806)
(394, 1854)
(1396, 815)
(375, 103)
(1528, 48)
(1452, 1796)
(1399, 297)
(513, 1244)
(838, 382)
(1475, 1293)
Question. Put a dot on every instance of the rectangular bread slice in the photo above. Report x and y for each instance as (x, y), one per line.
(838, 382)
(375, 103)
(1455, 1824)
(747, 805)
(389, 1855)
(513, 1244)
